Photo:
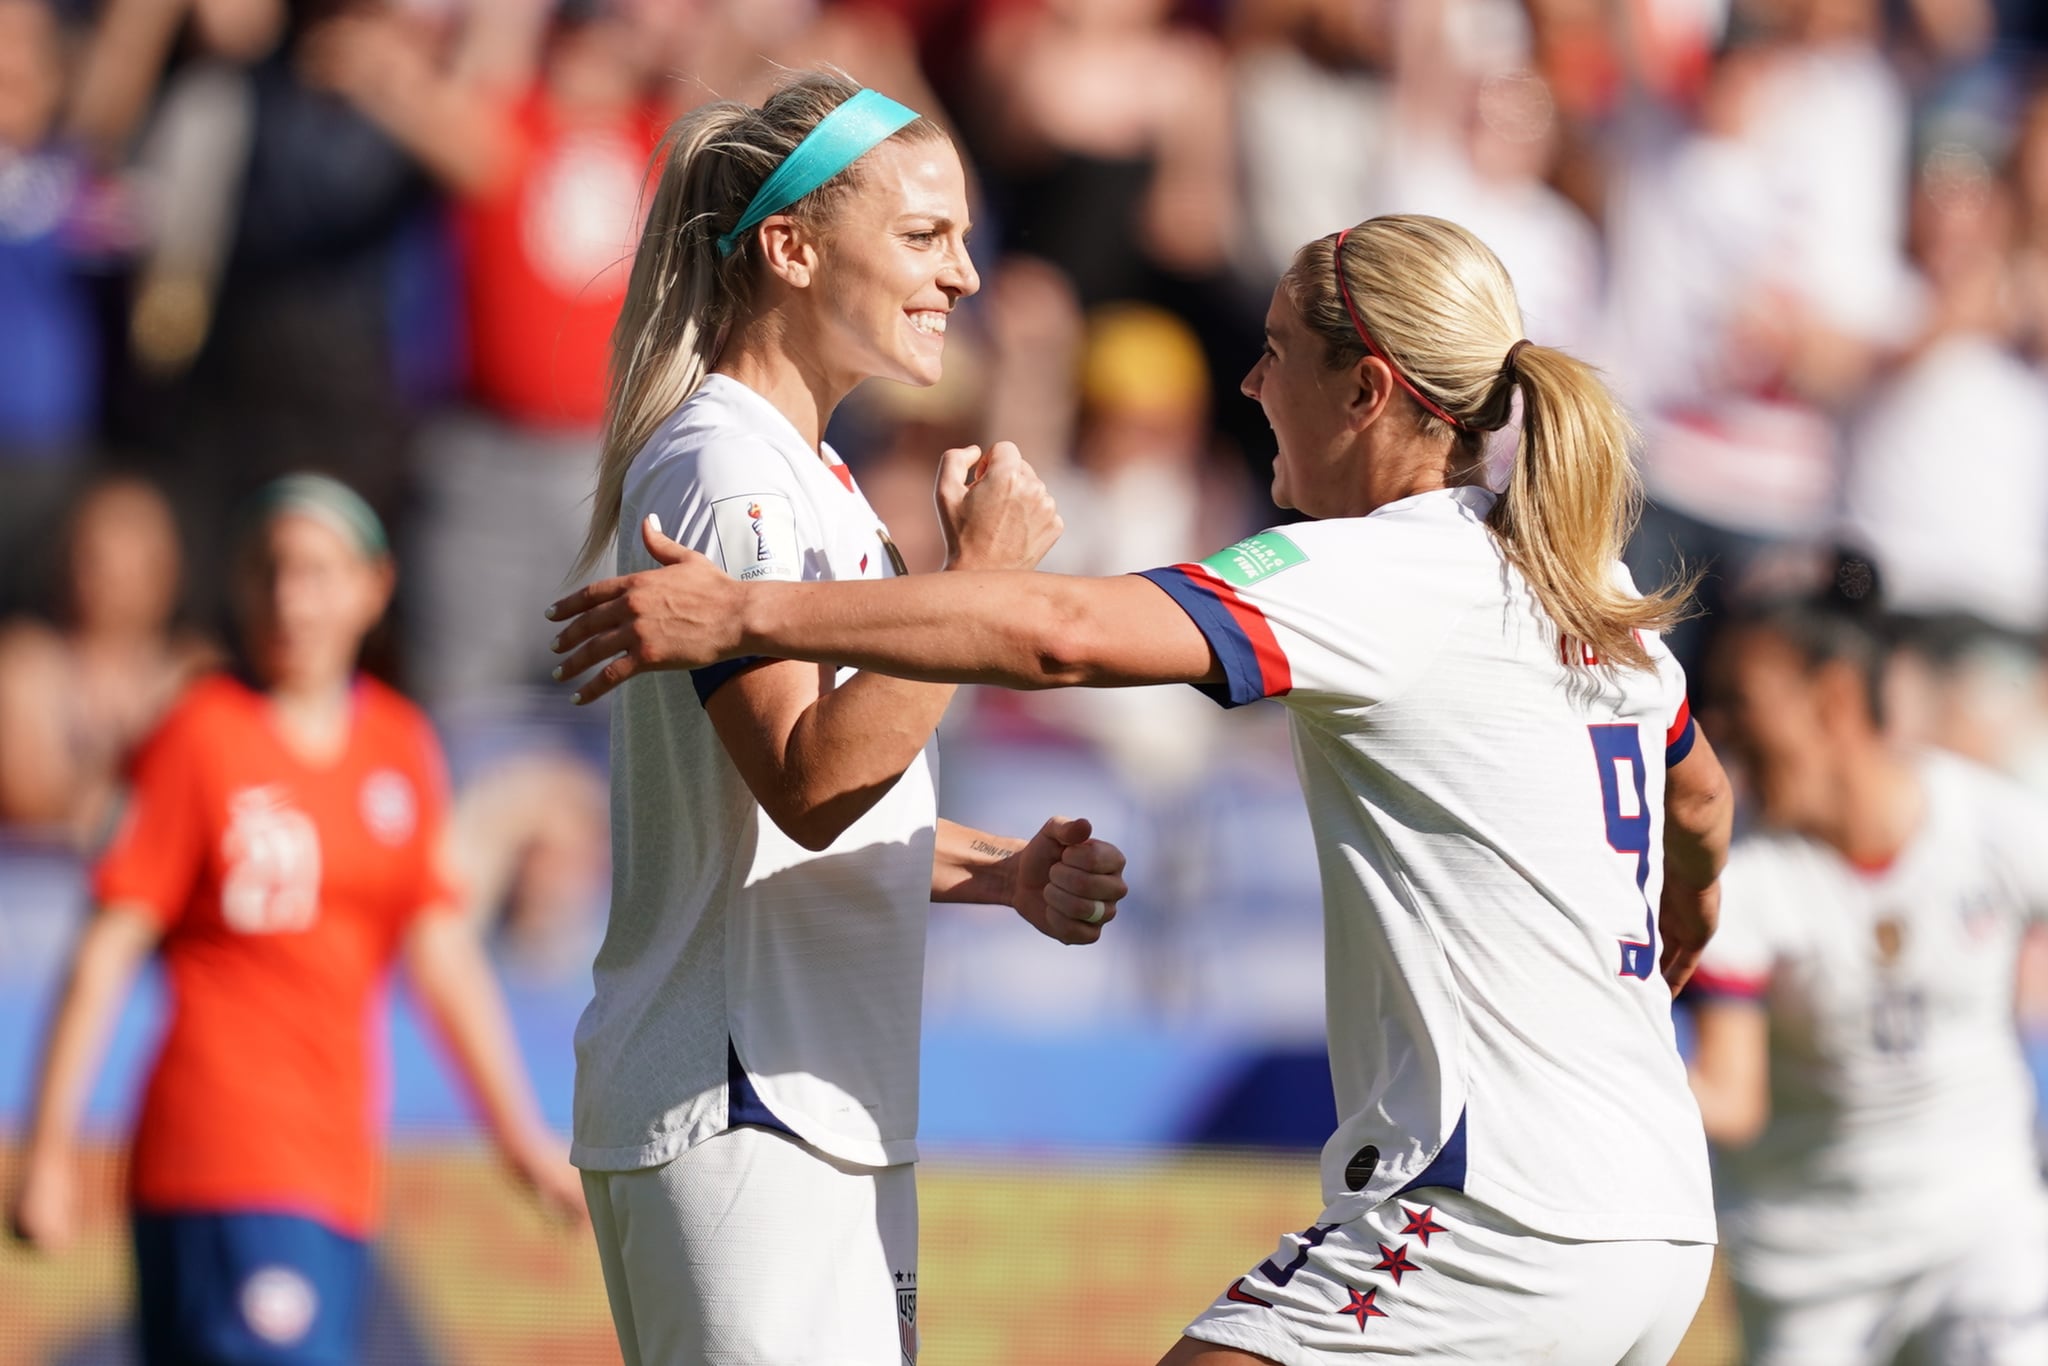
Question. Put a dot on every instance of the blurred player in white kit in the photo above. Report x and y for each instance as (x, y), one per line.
(1858, 1063)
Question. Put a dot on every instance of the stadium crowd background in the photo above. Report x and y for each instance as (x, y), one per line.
(1808, 240)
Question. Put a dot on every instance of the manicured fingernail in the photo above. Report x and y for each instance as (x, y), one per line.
(558, 673)
(552, 612)
(556, 645)
(577, 698)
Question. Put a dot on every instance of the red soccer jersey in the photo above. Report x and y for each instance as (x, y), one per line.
(284, 890)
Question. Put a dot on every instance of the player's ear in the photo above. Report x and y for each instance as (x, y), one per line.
(788, 249)
(383, 574)
(1369, 387)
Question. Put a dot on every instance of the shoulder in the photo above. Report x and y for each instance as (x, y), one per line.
(207, 719)
(703, 453)
(1981, 797)
(1411, 537)
(210, 703)
(1763, 867)
(1768, 849)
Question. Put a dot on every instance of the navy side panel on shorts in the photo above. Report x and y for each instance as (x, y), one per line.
(263, 1289)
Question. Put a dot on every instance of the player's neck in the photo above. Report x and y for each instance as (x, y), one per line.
(312, 720)
(758, 356)
(1398, 467)
(1879, 809)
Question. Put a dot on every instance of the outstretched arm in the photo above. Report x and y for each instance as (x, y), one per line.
(1018, 629)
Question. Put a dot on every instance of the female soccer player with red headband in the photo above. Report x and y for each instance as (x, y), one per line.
(746, 1080)
(1520, 829)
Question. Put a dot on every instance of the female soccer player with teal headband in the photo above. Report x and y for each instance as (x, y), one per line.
(746, 1088)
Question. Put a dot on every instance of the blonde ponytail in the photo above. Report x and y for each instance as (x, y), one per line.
(683, 296)
(1440, 309)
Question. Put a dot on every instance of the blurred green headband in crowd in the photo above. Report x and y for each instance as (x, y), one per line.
(326, 500)
(841, 138)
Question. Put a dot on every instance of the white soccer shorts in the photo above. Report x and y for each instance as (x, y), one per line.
(753, 1249)
(1987, 1307)
(1436, 1277)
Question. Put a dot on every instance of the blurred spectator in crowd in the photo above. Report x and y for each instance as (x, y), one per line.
(1110, 174)
(1105, 131)
(540, 125)
(276, 339)
(76, 697)
(1946, 547)
(1475, 140)
(1966, 574)
(1756, 273)
(49, 361)
(2030, 186)
(1323, 65)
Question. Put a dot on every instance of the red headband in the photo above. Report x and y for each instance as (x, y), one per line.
(1344, 288)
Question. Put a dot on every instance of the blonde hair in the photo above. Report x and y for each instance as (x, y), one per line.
(1442, 309)
(684, 296)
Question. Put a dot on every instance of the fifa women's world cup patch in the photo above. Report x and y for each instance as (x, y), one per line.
(757, 537)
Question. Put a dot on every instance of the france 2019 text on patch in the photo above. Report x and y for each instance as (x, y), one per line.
(757, 536)
(1254, 558)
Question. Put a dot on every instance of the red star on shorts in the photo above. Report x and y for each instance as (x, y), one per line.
(1362, 1307)
(1422, 1224)
(1394, 1261)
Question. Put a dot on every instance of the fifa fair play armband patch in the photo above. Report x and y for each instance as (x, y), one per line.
(1254, 558)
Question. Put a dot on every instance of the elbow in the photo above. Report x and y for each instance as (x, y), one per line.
(815, 821)
(808, 824)
(1059, 640)
(813, 834)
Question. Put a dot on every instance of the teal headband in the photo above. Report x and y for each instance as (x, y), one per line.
(324, 499)
(841, 138)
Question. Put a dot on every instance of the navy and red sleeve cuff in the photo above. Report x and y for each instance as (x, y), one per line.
(1679, 738)
(1254, 666)
(1707, 984)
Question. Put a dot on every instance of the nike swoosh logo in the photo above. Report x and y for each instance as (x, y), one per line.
(1242, 1296)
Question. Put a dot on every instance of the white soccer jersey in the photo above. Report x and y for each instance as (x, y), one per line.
(1490, 828)
(742, 977)
(1901, 1105)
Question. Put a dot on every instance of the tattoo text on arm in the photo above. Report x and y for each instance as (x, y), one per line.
(982, 846)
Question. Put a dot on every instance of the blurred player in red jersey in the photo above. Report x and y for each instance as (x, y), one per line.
(280, 851)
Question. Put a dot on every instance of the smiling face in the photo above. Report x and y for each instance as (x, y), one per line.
(1306, 404)
(890, 265)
